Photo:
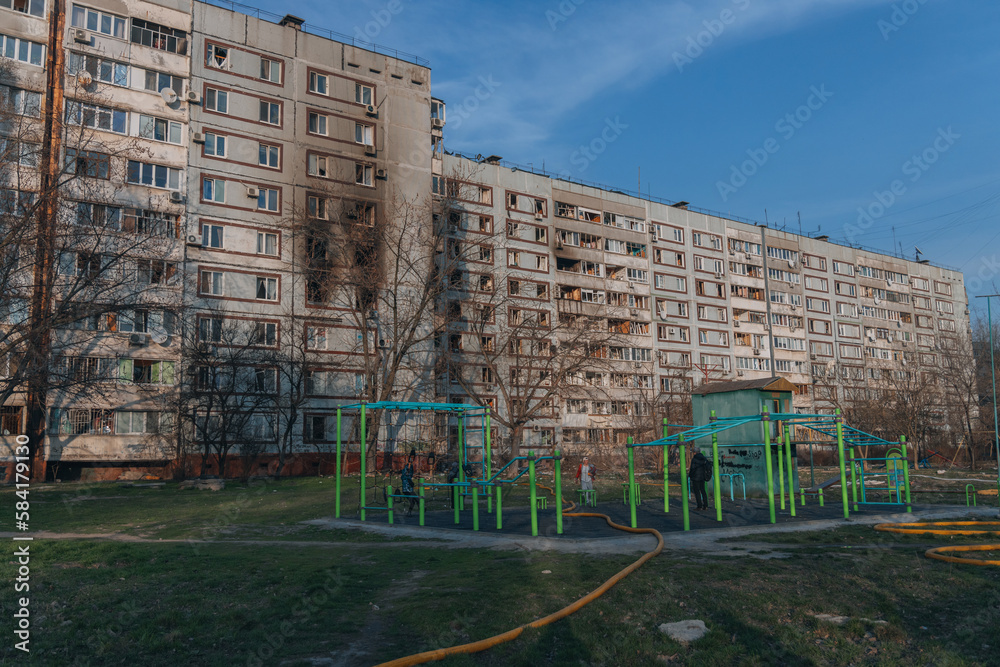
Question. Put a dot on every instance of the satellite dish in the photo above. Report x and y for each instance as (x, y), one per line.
(158, 336)
(168, 95)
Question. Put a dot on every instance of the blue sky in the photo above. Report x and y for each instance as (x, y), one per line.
(824, 108)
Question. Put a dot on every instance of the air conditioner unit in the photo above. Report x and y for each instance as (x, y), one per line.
(381, 174)
(193, 240)
(671, 331)
(176, 198)
(370, 151)
(370, 110)
(718, 274)
(199, 138)
(739, 373)
(137, 339)
(193, 97)
(736, 324)
(372, 314)
(253, 191)
(536, 428)
(749, 256)
(637, 364)
(437, 123)
(539, 216)
(82, 36)
(813, 357)
(631, 285)
(633, 312)
(383, 344)
(756, 351)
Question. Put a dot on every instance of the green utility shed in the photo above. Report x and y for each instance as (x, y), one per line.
(741, 449)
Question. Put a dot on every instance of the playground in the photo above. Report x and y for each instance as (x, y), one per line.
(397, 560)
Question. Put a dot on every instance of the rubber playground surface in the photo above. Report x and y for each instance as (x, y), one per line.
(517, 520)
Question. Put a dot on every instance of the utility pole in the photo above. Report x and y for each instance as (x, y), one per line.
(993, 385)
(40, 312)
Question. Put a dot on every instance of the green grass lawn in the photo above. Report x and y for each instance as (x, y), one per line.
(147, 603)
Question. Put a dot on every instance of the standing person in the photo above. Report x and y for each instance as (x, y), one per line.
(698, 473)
(452, 478)
(585, 473)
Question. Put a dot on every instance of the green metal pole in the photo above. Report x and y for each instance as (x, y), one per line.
(906, 472)
(475, 506)
(666, 470)
(389, 500)
(812, 467)
(791, 477)
(781, 469)
(534, 494)
(716, 483)
(557, 464)
(854, 480)
(993, 377)
(843, 463)
(684, 484)
(631, 480)
(499, 507)
(821, 497)
(766, 421)
(454, 501)
(364, 455)
(420, 503)
(489, 460)
(461, 447)
(336, 498)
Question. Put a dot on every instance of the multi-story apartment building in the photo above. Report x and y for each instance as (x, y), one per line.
(672, 298)
(283, 232)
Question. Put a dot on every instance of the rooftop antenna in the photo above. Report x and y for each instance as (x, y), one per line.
(765, 218)
(800, 222)
(919, 252)
(894, 237)
(640, 181)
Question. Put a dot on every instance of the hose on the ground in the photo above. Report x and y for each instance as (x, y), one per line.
(937, 553)
(490, 642)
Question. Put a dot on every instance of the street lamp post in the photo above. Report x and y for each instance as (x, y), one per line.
(993, 377)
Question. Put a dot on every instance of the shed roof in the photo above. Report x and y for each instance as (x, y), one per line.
(760, 384)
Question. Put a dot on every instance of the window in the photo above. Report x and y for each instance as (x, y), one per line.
(843, 268)
(157, 81)
(155, 272)
(212, 283)
(96, 117)
(363, 174)
(93, 20)
(363, 134)
(217, 56)
(316, 207)
(154, 223)
(316, 338)
(215, 144)
(363, 94)
(270, 70)
(265, 333)
(318, 83)
(22, 152)
(21, 102)
(267, 200)
(317, 123)
(159, 129)
(33, 7)
(316, 165)
(267, 243)
(268, 156)
(153, 175)
(217, 100)
(214, 189)
(90, 164)
(100, 69)
(211, 236)
(158, 36)
(270, 113)
(267, 289)
(210, 330)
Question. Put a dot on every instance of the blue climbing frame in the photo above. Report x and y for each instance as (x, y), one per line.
(846, 437)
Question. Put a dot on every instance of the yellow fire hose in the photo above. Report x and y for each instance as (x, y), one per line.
(938, 552)
(490, 642)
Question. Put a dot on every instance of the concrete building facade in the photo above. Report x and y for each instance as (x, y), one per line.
(266, 159)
